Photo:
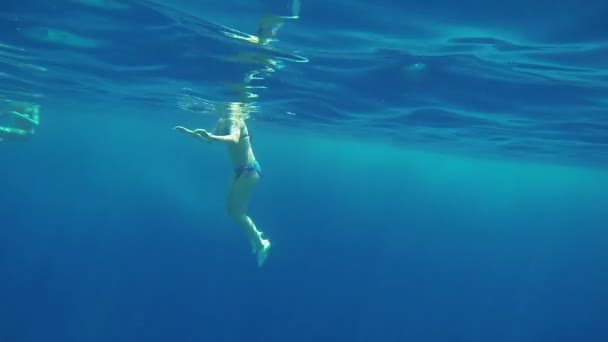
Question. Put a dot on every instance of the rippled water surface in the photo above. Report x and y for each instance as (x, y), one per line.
(500, 78)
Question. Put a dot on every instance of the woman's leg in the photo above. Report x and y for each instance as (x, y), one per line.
(237, 202)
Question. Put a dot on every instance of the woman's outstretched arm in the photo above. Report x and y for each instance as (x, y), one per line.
(192, 133)
(232, 137)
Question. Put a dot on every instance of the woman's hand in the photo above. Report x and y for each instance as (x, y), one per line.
(183, 130)
(203, 133)
(197, 133)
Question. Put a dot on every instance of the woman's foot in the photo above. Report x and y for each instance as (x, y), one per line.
(263, 252)
(260, 247)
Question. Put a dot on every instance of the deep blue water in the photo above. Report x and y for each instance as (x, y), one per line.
(433, 171)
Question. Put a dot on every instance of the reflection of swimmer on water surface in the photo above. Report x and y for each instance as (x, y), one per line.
(18, 120)
(267, 30)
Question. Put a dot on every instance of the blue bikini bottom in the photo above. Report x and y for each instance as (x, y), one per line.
(253, 166)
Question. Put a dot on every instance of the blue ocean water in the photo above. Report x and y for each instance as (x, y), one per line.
(433, 171)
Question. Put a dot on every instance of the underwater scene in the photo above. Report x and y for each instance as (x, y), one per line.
(303, 170)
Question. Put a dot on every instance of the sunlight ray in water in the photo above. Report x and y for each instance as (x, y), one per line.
(17, 57)
(10, 47)
(21, 65)
(19, 77)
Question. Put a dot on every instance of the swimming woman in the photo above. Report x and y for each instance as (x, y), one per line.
(232, 131)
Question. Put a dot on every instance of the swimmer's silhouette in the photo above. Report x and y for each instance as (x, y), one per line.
(232, 131)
